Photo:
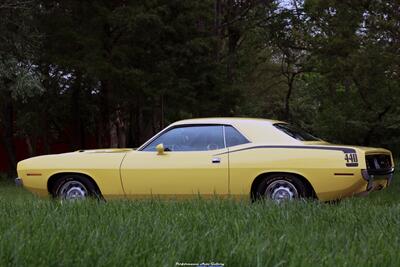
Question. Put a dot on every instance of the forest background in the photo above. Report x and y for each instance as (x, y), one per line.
(83, 74)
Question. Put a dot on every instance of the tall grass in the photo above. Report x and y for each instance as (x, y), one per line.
(354, 232)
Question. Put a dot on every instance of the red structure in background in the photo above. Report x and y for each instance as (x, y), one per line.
(22, 151)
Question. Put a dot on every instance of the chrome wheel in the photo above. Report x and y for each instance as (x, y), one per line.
(73, 190)
(280, 190)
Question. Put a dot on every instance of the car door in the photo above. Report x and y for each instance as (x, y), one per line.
(195, 161)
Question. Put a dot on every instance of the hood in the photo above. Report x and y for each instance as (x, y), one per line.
(74, 154)
(106, 150)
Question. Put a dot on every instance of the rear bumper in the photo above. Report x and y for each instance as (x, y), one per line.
(376, 186)
(374, 175)
(18, 182)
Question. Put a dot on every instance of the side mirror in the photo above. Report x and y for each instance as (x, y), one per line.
(160, 149)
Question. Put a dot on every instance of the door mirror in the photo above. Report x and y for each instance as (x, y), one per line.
(160, 149)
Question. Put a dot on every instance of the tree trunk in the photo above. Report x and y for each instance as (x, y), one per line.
(217, 28)
(121, 123)
(122, 137)
(31, 145)
(138, 123)
(76, 142)
(162, 100)
(105, 127)
(129, 129)
(288, 96)
(375, 125)
(7, 135)
(233, 38)
(45, 121)
(113, 135)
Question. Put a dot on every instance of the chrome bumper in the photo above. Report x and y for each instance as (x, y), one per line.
(371, 175)
(18, 182)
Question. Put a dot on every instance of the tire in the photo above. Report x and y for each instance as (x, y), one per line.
(279, 187)
(75, 187)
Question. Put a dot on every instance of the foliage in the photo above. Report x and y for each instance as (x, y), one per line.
(119, 71)
(341, 58)
(19, 79)
(18, 76)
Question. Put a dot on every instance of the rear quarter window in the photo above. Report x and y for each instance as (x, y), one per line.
(295, 132)
(234, 137)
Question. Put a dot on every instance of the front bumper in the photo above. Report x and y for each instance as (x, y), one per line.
(372, 175)
(18, 182)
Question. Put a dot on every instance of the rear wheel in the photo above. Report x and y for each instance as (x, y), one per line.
(281, 187)
(74, 187)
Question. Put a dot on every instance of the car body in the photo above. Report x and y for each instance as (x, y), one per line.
(236, 157)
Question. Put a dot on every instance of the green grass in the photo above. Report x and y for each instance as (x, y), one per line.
(354, 232)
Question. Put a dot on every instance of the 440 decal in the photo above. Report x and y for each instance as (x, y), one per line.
(351, 159)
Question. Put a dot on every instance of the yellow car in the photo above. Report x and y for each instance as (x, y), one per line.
(237, 157)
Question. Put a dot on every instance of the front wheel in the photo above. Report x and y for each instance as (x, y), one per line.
(281, 187)
(74, 187)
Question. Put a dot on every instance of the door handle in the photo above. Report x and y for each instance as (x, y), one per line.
(216, 160)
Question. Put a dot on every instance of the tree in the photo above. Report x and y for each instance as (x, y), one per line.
(354, 70)
(19, 79)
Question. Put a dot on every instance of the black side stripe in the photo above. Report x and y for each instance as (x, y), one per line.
(355, 164)
(334, 148)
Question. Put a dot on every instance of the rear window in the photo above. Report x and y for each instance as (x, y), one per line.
(295, 132)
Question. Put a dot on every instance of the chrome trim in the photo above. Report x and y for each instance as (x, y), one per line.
(216, 160)
(18, 182)
(73, 190)
(371, 175)
(366, 193)
(173, 126)
(280, 190)
(223, 132)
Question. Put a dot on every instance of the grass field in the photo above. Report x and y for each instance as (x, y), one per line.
(354, 232)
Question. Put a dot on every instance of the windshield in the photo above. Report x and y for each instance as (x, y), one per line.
(295, 132)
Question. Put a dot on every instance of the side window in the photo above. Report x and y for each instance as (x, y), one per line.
(190, 138)
(234, 137)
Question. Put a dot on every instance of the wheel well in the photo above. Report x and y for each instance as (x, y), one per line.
(310, 190)
(52, 180)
